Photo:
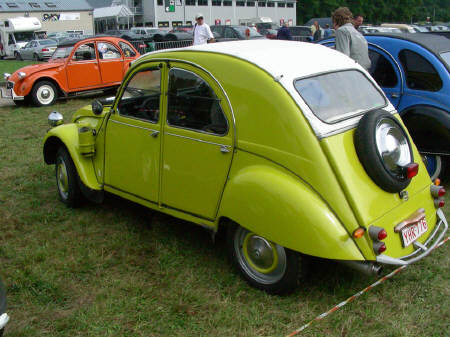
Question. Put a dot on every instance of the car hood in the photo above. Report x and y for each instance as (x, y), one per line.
(32, 69)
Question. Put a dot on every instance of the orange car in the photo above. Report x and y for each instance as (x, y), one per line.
(86, 65)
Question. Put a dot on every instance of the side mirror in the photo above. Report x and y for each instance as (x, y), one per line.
(97, 107)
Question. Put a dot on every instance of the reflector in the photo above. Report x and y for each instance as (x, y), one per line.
(412, 170)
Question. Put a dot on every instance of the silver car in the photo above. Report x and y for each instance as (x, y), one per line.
(37, 50)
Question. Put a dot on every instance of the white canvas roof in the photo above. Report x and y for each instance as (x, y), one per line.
(110, 12)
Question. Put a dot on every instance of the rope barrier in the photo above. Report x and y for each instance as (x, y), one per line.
(352, 298)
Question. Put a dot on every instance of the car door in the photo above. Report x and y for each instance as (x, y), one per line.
(111, 63)
(82, 68)
(26, 51)
(386, 72)
(133, 140)
(197, 142)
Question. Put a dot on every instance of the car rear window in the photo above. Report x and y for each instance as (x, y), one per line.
(336, 96)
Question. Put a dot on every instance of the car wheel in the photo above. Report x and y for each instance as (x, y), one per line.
(18, 56)
(44, 93)
(36, 57)
(263, 264)
(67, 179)
(434, 165)
(384, 150)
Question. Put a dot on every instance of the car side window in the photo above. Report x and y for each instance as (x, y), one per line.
(141, 97)
(107, 51)
(192, 104)
(127, 50)
(229, 33)
(420, 74)
(382, 70)
(85, 52)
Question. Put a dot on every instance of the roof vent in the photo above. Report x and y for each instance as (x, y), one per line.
(50, 4)
(12, 5)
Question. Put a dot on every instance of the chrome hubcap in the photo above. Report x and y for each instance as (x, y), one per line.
(62, 180)
(45, 94)
(262, 260)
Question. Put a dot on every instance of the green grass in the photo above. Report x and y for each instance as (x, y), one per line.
(10, 66)
(118, 269)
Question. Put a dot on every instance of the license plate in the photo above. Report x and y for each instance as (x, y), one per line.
(413, 232)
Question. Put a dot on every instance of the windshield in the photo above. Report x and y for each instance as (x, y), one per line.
(24, 36)
(446, 57)
(340, 95)
(62, 53)
(241, 31)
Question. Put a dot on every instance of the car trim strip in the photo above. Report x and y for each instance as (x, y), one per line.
(134, 126)
(198, 140)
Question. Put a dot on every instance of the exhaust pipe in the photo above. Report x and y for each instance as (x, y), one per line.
(365, 267)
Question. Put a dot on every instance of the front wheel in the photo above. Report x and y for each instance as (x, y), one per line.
(18, 56)
(263, 264)
(35, 57)
(67, 179)
(434, 165)
(44, 93)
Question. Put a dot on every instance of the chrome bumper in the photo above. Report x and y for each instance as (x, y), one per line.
(8, 92)
(3, 320)
(422, 249)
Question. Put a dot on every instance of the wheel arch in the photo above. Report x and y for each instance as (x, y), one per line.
(280, 207)
(429, 127)
(67, 136)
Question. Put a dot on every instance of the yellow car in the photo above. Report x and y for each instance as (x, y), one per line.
(291, 147)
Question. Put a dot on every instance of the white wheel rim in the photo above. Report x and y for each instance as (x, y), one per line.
(62, 179)
(45, 94)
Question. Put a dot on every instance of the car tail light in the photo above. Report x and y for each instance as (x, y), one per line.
(439, 203)
(359, 232)
(379, 247)
(437, 191)
(45, 49)
(142, 46)
(411, 170)
(377, 233)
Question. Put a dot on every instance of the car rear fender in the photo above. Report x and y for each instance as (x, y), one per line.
(67, 135)
(429, 127)
(272, 202)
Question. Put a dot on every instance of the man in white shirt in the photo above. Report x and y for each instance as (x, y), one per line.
(202, 32)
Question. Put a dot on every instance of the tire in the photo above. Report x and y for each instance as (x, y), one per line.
(366, 149)
(18, 56)
(434, 164)
(278, 274)
(44, 93)
(36, 57)
(67, 180)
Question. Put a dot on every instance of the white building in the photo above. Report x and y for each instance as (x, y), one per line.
(171, 13)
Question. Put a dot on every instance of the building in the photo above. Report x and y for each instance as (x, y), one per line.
(54, 15)
(171, 13)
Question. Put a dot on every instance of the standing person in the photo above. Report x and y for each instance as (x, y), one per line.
(202, 32)
(358, 21)
(327, 32)
(317, 31)
(348, 40)
(284, 33)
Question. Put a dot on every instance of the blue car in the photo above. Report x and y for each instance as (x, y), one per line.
(413, 71)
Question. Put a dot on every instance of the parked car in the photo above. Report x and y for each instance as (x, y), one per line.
(234, 32)
(301, 33)
(288, 157)
(268, 33)
(404, 28)
(37, 50)
(4, 318)
(413, 71)
(144, 34)
(89, 64)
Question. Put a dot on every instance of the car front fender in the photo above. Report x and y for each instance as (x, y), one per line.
(67, 135)
(429, 127)
(24, 87)
(270, 201)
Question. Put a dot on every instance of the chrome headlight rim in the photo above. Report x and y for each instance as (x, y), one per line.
(389, 134)
(21, 75)
(55, 118)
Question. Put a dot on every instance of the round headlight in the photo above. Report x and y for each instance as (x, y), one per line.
(392, 146)
(55, 119)
(21, 74)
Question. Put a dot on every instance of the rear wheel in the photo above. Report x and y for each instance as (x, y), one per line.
(67, 179)
(35, 57)
(44, 93)
(263, 264)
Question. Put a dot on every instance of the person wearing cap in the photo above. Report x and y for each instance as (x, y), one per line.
(202, 32)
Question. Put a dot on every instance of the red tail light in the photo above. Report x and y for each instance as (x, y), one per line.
(45, 49)
(439, 203)
(379, 247)
(382, 248)
(377, 233)
(441, 192)
(382, 235)
(412, 170)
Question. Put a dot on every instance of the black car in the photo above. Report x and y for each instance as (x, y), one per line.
(222, 32)
(301, 33)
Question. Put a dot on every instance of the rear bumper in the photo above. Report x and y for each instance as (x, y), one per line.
(422, 250)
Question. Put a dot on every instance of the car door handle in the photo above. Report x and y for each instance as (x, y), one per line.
(224, 149)
(395, 95)
(154, 133)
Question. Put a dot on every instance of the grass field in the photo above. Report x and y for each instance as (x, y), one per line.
(118, 269)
